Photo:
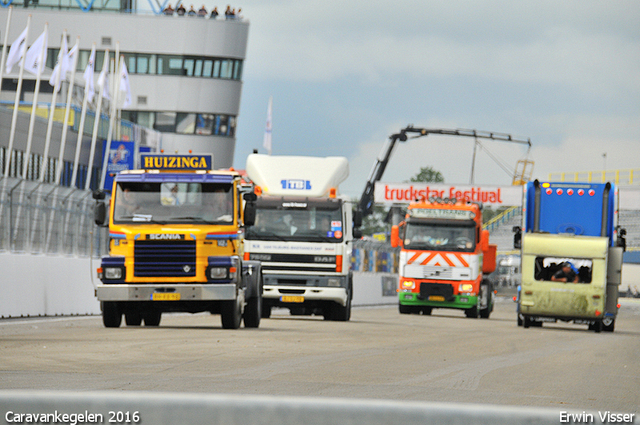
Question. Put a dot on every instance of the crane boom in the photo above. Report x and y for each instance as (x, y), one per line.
(365, 206)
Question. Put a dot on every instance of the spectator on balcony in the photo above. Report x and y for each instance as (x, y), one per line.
(192, 11)
(181, 10)
(214, 13)
(168, 10)
(202, 12)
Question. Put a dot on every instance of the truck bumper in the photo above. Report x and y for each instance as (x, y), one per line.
(338, 295)
(459, 301)
(154, 292)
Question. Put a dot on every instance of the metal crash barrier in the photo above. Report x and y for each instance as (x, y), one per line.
(173, 408)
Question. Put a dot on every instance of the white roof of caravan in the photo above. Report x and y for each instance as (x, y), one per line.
(297, 175)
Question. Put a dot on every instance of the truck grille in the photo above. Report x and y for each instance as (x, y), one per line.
(296, 262)
(164, 259)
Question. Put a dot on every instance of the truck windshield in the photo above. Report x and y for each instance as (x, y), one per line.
(310, 224)
(436, 237)
(170, 202)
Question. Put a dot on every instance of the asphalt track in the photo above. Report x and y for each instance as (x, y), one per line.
(379, 354)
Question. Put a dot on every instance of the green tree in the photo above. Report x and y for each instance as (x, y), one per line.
(428, 175)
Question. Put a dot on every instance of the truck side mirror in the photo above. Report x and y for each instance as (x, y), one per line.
(357, 233)
(100, 213)
(484, 240)
(249, 213)
(250, 197)
(517, 237)
(357, 218)
(395, 236)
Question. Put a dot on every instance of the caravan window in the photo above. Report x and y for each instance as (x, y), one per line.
(546, 267)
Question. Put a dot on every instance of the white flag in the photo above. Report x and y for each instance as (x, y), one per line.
(88, 75)
(267, 130)
(124, 86)
(103, 82)
(62, 66)
(16, 51)
(32, 62)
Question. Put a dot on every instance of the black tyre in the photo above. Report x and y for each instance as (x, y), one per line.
(472, 312)
(597, 326)
(526, 322)
(132, 318)
(266, 311)
(231, 314)
(520, 320)
(427, 311)
(608, 324)
(152, 318)
(111, 314)
(253, 312)
(405, 309)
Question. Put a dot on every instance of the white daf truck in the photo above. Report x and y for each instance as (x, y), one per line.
(302, 234)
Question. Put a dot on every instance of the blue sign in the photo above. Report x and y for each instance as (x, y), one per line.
(121, 156)
(296, 184)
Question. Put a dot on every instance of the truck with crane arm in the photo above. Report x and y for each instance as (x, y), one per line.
(302, 234)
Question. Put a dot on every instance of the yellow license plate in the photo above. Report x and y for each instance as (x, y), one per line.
(436, 298)
(292, 299)
(165, 296)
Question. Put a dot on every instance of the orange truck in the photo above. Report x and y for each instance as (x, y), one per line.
(445, 258)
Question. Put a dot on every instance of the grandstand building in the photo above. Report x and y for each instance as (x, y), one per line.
(185, 76)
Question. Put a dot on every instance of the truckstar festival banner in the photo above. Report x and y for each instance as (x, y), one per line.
(121, 156)
(404, 193)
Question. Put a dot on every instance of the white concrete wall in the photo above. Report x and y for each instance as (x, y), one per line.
(38, 285)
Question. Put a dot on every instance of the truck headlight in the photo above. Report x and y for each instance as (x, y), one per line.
(408, 284)
(218, 272)
(333, 282)
(465, 287)
(113, 273)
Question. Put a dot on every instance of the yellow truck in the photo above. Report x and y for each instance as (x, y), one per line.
(176, 244)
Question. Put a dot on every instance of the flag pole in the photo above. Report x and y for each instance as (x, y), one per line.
(114, 101)
(34, 106)
(85, 103)
(4, 46)
(65, 126)
(268, 128)
(96, 123)
(54, 97)
(14, 118)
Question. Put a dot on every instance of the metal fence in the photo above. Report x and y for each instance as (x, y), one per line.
(39, 218)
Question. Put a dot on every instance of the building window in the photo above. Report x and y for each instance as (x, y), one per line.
(204, 124)
(185, 123)
(165, 122)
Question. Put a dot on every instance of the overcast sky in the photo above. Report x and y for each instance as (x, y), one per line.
(346, 75)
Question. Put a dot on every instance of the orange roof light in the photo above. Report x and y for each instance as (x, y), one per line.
(333, 192)
(257, 190)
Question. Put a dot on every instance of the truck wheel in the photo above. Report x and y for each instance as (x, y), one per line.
(597, 326)
(427, 311)
(152, 318)
(405, 309)
(111, 314)
(253, 312)
(266, 311)
(472, 312)
(132, 318)
(520, 320)
(526, 322)
(608, 324)
(231, 314)
(342, 313)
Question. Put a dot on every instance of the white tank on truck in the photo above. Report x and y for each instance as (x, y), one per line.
(302, 234)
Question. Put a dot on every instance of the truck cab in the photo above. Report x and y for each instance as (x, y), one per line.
(445, 258)
(302, 234)
(175, 245)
